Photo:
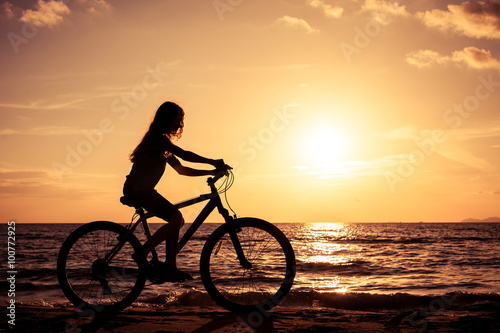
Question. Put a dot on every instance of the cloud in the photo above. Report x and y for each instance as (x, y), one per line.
(8, 131)
(492, 130)
(451, 145)
(469, 56)
(296, 22)
(24, 182)
(401, 133)
(7, 9)
(345, 170)
(42, 183)
(51, 12)
(383, 10)
(21, 174)
(478, 19)
(328, 10)
(426, 58)
(42, 131)
(48, 13)
(476, 58)
(488, 131)
(72, 102)
(454, 149)
(462, 156)
(95, 6)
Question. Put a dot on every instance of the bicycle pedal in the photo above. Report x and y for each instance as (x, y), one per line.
(217, 249)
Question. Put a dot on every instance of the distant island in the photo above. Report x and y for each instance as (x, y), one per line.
(489, 219)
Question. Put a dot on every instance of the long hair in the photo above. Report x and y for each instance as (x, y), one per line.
(166, 123)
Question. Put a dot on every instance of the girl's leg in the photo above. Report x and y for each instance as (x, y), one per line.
(161, 207)
(170, 233)
(155, 203)
(156, 239)
(172, 238)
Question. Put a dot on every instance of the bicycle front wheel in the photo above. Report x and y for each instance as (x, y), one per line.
(90, 279)
(263, 281)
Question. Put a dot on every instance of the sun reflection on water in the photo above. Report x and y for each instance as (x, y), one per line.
(323, 251)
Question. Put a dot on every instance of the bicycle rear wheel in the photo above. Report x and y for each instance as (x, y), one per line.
(244, 289)
(89, 280)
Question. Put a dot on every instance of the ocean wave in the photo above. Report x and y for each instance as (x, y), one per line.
(347, 301)
(20, 286)
(405, 240)
(470, 238)
(354, 265)
(398, 240)
(38, 274)
(365, 301)
(479, 262)
(375, 240)
(359, 268)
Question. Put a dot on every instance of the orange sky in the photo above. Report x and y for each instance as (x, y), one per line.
(339, 110)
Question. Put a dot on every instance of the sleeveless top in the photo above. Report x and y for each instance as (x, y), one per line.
(149, 166)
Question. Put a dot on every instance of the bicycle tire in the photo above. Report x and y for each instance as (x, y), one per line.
(259, 288)
(90, 284)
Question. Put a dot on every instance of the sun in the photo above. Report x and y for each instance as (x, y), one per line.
(325, 143)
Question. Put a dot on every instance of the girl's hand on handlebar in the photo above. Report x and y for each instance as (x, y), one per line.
(219, 173)
(222, 169)
(219, 164)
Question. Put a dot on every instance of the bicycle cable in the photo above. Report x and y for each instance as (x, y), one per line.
(132, 220)
(226, 183)
(228, 205)
(225, 186)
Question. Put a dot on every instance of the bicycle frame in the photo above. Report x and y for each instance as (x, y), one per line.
(214, 202)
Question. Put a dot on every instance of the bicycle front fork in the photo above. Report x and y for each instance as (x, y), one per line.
(233, 234)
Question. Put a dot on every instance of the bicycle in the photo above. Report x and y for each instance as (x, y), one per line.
(246, 264)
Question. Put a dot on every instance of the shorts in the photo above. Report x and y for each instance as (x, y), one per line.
(152, 201)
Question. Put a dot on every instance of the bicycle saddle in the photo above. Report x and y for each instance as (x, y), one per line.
(129, 202)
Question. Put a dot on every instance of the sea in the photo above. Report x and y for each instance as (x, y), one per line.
(339, 265)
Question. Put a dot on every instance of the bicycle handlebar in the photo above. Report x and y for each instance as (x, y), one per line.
(220, 174)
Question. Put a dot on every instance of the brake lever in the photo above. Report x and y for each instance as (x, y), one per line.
(218, 175)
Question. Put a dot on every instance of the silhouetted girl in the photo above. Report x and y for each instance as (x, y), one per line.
(149, 160)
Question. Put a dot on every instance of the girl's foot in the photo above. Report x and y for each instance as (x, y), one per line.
(176, 276)
(155, 271)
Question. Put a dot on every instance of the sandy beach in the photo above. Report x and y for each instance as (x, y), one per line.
(478, 318)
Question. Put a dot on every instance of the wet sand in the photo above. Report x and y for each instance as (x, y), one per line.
(484, 318)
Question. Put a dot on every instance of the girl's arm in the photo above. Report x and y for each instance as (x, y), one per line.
(192, 157)
(187, 171)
